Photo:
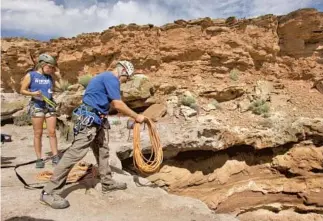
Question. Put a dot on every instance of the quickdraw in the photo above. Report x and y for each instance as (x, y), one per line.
(49, 102)
(84, 118)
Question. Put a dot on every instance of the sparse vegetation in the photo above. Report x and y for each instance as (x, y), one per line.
(116, 122)
(231, 20)
(260, 107)
(63, 85)
(189, 101)
(84, 80)
(194, 106)
(216, 104)
(234, 74)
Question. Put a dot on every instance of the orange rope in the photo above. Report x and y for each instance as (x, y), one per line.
(140, 162)
(78, 171)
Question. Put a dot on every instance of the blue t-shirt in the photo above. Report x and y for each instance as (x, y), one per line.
(101, 90)
(43, 83)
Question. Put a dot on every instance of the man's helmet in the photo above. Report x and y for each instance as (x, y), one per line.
(47, 59)
(128, 66)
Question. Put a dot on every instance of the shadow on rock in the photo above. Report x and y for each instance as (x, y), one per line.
(26, 218)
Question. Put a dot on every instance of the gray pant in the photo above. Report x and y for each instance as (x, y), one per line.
(94, 137)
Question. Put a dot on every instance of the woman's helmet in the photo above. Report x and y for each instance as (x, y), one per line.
(47, 59)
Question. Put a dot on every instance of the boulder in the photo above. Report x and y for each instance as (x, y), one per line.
(224, 93)
(137, 91)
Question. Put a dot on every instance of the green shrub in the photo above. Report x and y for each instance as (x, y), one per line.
(84, 80)
(230, 20)
(194, 106)
(234, 74)
(188, 100)
(63, 85)
(215, 103)
(260, 107)
(116, 122)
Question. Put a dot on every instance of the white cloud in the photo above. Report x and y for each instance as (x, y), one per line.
(72, 17)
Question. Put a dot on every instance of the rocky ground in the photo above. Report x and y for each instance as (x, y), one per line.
(135, 203)
(238, 105)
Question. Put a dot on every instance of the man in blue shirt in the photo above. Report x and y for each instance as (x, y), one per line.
(89, 130)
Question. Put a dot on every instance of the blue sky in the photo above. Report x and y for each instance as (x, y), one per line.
(45, 19)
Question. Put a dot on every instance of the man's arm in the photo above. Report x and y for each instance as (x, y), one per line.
(120, 106)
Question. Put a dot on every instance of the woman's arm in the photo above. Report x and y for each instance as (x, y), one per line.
(57, 81)
(24, 87)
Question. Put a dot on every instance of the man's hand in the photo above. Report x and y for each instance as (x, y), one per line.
(123, 108)
(140, 118)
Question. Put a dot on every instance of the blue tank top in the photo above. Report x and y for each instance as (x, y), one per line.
(43, 83)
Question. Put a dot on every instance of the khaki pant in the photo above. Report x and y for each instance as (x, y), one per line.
(94, 137)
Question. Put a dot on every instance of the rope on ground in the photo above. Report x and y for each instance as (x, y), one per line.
(141, 163)
(79, 171)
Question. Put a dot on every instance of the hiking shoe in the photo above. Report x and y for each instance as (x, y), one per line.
(53, 200)
(55, 160)
(40, 163)
(106, 187)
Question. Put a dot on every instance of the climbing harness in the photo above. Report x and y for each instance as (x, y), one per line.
(141, 163)
(85, 116)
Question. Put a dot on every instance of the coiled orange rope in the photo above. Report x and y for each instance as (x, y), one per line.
(78, 171)
(141, 163)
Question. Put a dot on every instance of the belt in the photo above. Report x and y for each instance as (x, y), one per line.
(93, 110)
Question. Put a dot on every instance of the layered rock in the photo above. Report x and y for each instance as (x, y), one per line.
(239, 117)
(284, 46)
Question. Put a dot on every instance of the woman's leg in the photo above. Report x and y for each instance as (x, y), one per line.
(51, 128)
(38, 132)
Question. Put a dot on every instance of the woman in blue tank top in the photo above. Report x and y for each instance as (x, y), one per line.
(39, 85)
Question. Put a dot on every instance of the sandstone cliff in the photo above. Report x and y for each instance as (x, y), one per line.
(243, 127)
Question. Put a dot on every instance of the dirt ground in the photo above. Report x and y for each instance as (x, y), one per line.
(135, 203)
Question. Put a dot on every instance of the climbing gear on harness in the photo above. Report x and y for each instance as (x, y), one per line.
(84, 117)
(153, 163)
(49, 102)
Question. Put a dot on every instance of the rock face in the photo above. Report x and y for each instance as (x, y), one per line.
(136, 93)
(285, 46)
(11, 104)
(276, 167)
(237, 104)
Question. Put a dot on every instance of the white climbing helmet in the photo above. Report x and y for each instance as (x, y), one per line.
(128, 66)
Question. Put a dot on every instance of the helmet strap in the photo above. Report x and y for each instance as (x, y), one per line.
(121, 71)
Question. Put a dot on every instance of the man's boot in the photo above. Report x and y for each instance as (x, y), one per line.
(53, 200)
(113, 185)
